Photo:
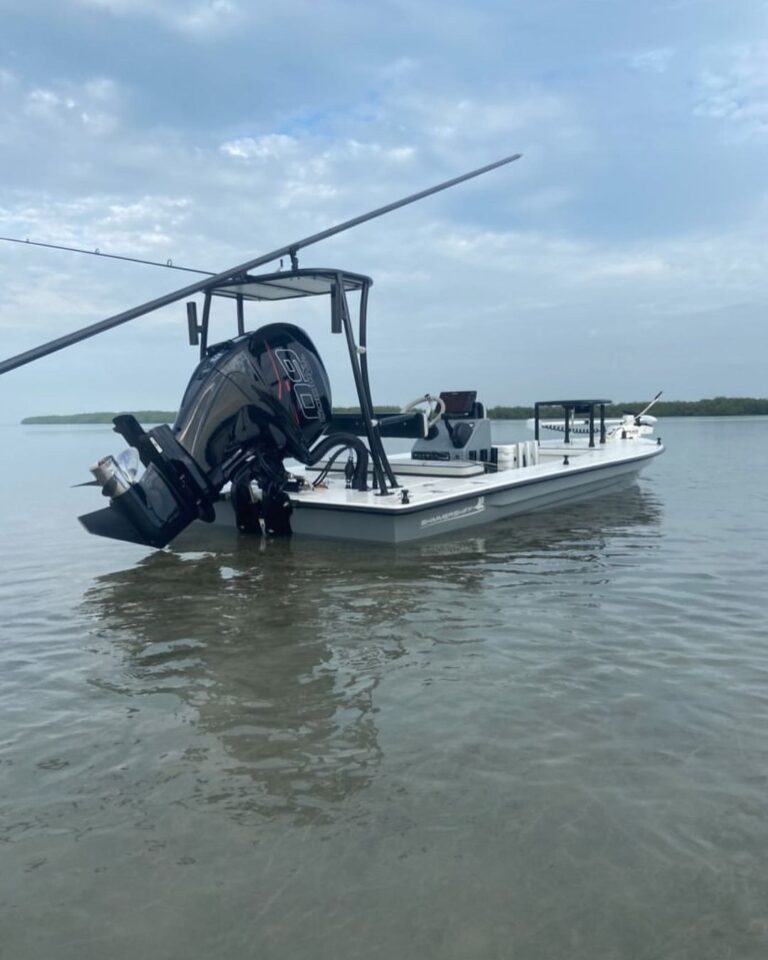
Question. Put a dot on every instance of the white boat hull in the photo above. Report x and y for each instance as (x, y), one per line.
(439, 505)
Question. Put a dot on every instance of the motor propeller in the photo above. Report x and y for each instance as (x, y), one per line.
(128, 462)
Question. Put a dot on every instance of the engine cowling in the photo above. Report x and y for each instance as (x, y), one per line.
(250, 403)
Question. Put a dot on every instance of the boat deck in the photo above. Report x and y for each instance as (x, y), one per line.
(423, 490)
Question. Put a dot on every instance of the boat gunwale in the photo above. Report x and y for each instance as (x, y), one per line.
(399, 509)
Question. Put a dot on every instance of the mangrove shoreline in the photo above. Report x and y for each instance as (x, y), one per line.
(714, 407)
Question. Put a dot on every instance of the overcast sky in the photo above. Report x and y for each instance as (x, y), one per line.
(625, 253)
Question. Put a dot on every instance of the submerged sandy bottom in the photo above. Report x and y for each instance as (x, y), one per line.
(544, 739)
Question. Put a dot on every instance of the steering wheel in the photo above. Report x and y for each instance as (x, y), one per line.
(435, 408)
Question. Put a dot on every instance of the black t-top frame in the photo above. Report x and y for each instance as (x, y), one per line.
(571, 409)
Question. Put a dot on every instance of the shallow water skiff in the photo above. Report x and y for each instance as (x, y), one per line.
(256, 444)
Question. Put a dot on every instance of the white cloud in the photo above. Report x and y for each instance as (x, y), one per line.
(211, 15)
(134, 229)
(635, 265)
(677, 274)
(468, 118)
(270, 146)
(400, 69)
(101, 89)
(296, 192)
(46, 103)
(197, 18)
(352, 148)
(733, 87)
(91, 106)
(147, 207)
(652, 61)
(546, 199)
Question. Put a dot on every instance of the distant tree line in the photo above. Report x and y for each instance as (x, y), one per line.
(149, 416)
(143, 416)
(714, 407)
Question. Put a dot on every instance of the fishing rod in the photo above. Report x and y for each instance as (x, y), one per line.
(289, 250)
(169, 264)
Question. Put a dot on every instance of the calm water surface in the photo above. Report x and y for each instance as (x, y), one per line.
(544, 739)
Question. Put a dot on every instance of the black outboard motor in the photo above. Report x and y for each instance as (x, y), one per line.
(250, 403)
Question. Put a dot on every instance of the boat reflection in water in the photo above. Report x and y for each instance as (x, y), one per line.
(276, 649)
(272, 659)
